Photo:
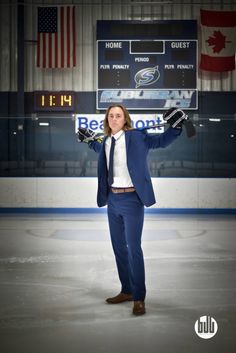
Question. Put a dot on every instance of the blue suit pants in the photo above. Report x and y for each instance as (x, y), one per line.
(125, 217)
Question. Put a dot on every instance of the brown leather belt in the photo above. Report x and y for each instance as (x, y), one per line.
(120, 190)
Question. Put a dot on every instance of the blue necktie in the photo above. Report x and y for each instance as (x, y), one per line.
(111, 159)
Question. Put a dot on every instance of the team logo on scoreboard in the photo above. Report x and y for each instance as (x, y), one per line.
(147, 76)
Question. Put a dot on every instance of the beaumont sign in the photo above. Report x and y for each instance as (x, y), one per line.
(139, 121)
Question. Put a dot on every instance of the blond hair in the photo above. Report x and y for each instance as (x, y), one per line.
(127, 125)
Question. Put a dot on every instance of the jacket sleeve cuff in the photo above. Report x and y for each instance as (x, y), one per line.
(177, 130)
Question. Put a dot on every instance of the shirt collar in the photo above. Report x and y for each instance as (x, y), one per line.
(118, 134)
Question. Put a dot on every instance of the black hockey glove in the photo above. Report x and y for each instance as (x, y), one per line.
(175, 117)
(87, 135)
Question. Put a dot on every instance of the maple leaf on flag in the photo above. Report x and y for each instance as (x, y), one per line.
(217, 41)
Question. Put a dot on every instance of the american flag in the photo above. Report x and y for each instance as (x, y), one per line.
(56, 37)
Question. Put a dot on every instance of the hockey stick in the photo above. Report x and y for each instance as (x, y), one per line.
(168, 118)
(189, 127)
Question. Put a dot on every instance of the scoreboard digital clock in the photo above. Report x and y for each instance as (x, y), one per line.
(53, 101)
(147, 64)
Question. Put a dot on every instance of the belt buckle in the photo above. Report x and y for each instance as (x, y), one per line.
(117, 190)
(122, 190)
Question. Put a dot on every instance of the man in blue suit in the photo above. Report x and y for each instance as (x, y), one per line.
(124, 185)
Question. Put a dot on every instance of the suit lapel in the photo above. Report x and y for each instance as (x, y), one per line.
(127, 141)
(104, 152)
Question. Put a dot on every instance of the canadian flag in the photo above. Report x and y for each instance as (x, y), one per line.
(218, 30)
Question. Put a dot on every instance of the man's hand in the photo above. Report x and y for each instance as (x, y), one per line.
(87, 135)
(175, 117)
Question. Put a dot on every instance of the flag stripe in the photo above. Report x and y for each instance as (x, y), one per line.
(62, 36)
(38, 50)
(221, 64)
(56, 50)
(218, 18)
(68, 36)
(44, 49)
(59, 41)
(73, 36)
(50, 49)
(56, 41)
(53, 51)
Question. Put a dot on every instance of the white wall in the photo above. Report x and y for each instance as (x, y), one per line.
(81, 193)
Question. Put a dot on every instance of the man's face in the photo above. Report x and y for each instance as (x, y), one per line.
(116, 119)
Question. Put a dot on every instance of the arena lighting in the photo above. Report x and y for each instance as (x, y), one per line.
(20, 127)
(44, 124)
(217, 120)
(34, 117)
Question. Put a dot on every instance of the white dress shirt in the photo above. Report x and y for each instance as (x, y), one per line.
(120, 171)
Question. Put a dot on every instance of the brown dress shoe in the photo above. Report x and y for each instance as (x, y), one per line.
(120, 298)
(139, 307)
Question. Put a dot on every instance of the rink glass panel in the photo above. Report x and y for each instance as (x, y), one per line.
(29, 149)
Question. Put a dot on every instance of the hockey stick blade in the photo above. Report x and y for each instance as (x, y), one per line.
(190, 128)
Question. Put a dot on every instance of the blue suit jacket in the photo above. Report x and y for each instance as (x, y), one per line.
(138, 143)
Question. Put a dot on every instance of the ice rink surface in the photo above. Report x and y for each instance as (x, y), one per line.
(57, 270)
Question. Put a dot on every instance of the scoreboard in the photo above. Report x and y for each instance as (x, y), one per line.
(147, 65)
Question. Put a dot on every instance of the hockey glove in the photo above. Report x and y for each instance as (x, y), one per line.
(175, 117)
(87, 135)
